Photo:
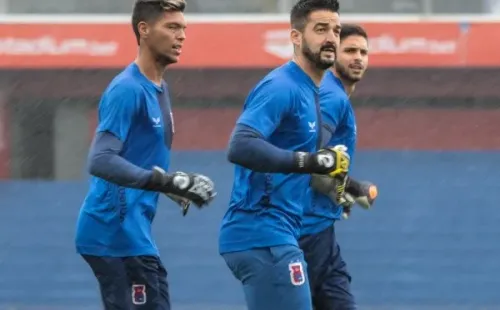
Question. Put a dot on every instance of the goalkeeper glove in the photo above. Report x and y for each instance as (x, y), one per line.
(334, 188)
(332, 161)
(363, 193)
(183, 187)
(182, 202)
(335, 176)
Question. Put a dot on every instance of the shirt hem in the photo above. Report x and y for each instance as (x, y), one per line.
(317, 227)
(237, 246)
(106, 252)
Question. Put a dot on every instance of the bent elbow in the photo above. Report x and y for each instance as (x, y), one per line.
(96, 165)
(233, 154)
(93, 166)
(241, 147)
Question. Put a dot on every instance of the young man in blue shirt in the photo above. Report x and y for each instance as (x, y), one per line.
(328, 276)
(276, 146)
(128, 161)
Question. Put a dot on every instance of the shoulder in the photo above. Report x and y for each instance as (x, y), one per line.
(124, 91)
(277, 84)
(283, 77)
(331, 91)
(332, 85)
(124, 83)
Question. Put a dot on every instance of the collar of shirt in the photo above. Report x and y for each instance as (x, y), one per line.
(299, 73)
(135, 69)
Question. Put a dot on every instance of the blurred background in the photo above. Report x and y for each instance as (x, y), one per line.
(428, 116)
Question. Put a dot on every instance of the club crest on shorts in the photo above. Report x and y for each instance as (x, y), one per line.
(139, 294)
(297, 275)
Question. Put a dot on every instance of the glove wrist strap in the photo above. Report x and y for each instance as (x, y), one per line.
(159, 181)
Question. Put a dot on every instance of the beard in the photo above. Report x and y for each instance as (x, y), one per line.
(343, 72)
(164, 60)
(315, 58)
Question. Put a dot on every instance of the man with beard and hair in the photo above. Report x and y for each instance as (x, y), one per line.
(328, 276)
(352, 59)
(276, 147)
(128, 159)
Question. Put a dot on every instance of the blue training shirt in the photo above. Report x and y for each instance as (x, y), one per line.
(115, 220)
(339, 126)
(265, 209)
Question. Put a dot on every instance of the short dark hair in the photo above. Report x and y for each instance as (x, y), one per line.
(349, 30)
(150, 10)
(302, 9)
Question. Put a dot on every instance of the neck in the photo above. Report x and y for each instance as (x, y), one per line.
(148, 66)
(310, 69)
(348, 85)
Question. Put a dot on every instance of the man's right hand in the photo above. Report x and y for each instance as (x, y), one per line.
(192, 186)
(363, 192)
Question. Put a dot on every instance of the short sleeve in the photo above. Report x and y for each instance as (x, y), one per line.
(265, 107)
(117, 109)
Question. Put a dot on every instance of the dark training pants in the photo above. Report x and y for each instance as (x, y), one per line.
(328, 276)
(131, 283)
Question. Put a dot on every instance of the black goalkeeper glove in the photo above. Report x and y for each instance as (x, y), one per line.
(183, 187)
(362, 192)
(333, 161)
(181, 202)
(330, 165)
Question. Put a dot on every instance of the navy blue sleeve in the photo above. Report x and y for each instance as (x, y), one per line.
(248, 148)
(105, 162)
(263, 112)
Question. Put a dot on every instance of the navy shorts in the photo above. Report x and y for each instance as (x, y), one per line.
(130, 283)
(329, 280)
(273, 278)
